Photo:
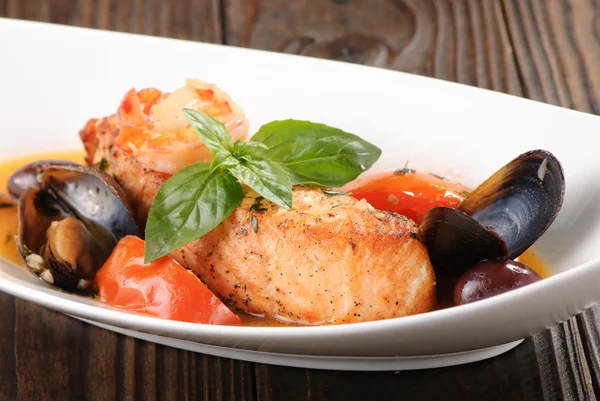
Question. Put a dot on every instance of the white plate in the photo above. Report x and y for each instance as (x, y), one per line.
(54, 78)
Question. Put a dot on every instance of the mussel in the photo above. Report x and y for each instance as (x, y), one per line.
(500, 219)
(70, 220)
(26, 176)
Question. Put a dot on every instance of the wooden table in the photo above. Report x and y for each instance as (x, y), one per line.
(544, 50)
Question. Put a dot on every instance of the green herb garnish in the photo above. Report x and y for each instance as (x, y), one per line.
(257, 206)
(281, 154)
(404, 171)
(102, 165)
(7, 238)
(332, 192)
(316, 153)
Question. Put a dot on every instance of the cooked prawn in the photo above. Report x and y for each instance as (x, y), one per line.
(155, 131)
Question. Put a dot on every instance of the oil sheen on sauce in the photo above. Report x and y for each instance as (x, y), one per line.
(8, 226)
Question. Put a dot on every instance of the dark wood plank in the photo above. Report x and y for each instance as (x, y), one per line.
(464, 40)
(588, 323)
(99, 348)
(8, 371)
(511, 376)
(190, 19)
(558, 49)
(50, 356)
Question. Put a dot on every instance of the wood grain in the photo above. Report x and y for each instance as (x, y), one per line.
(190, 19)
(544, 50)
(8, 372)
(464, 41)
(47, 355)
(558, 50)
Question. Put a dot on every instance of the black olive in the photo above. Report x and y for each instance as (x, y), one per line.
(492, 277)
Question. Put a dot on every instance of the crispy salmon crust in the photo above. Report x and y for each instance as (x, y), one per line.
(331, 259)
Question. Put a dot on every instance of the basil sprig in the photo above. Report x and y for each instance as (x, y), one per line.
(282, 153)
(315, 153)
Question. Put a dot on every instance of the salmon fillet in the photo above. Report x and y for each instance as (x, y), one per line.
(331, 259)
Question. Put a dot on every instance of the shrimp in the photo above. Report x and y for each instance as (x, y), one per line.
(154, 130)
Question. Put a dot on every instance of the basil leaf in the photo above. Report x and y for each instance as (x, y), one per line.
(223, 158)
(248, 150)
(212, 132)
(190, 204)
(267, 178)
(316, 153)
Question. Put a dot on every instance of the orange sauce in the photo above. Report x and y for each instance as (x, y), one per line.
(533, 259)
(8, 227)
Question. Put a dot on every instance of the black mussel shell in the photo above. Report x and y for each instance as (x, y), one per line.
(70, 192)
(93, 197)
(520, 201)
(456, 242)
(501, 218)
(26, 176)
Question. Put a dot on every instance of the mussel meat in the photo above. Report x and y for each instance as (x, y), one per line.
(501, 218)
(69, 222)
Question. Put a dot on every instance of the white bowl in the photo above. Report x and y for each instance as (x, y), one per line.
(55, 78)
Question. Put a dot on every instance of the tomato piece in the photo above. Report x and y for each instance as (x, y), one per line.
(162, 288)
(407, 192)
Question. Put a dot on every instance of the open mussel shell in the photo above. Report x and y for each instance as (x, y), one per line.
(501, 218)
(70, 222)
(456, 242)
(92, 197)
(26, 176)
(520, 201)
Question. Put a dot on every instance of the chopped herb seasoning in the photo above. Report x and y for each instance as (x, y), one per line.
(102, 165)
(414, 235)
(7, 239)
(254, 222)
(404, 171)
(6, 205)
(332, 192)
(257, 206)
